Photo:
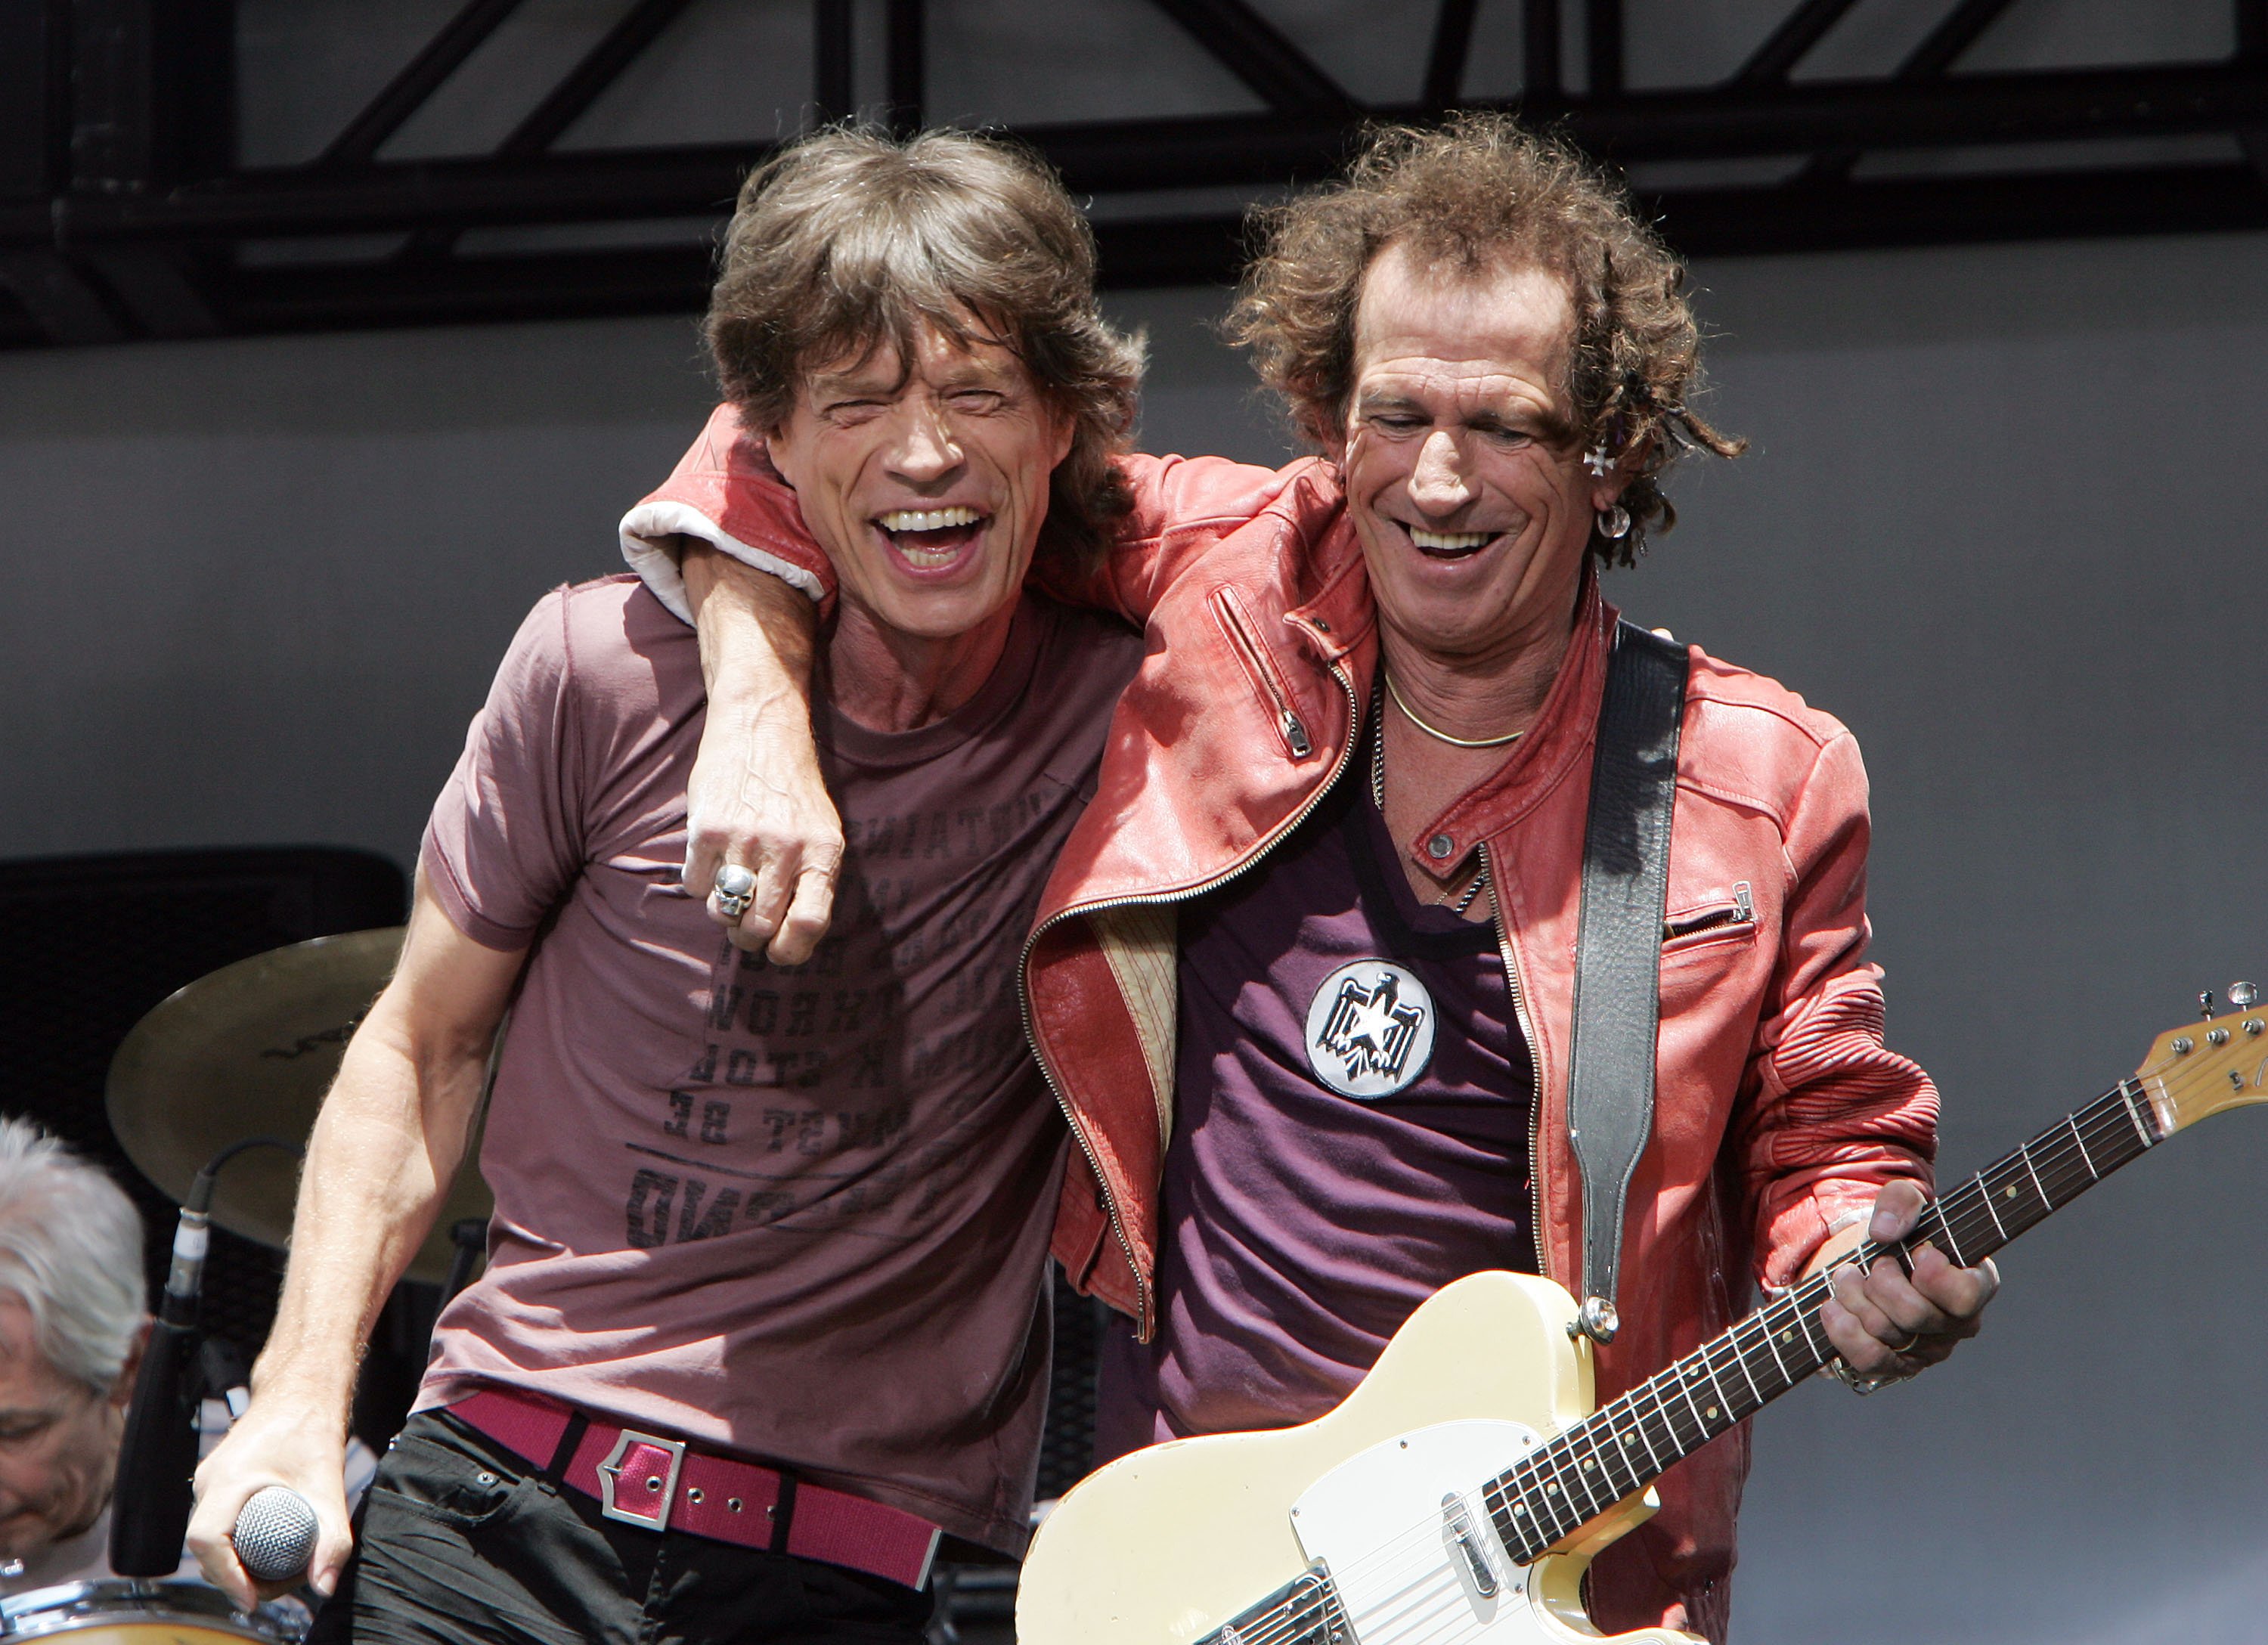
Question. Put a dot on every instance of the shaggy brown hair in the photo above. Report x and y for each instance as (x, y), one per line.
(849, 240)
(1481, 193)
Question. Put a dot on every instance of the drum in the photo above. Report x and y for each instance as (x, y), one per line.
(121, 1613)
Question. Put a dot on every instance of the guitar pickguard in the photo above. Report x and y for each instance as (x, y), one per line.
(1406, 1541)
(1196, 1542)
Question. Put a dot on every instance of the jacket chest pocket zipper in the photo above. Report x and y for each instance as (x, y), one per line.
(1228, 611)
(1741, 911)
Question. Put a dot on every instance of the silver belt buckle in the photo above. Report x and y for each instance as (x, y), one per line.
(660, 1490)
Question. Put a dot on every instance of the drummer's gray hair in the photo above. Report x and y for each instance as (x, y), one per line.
(71, 1248)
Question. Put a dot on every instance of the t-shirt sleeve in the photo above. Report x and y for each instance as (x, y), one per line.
(505, 841)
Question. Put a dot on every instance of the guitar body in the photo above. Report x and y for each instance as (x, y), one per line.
(1174, 1544)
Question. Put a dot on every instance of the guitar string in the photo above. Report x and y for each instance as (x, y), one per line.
(1298, 1618)
(1957, 1210)
(2105, 1118)
(1299, 1615)
(1294, 1617)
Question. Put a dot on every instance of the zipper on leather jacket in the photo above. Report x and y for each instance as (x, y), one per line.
(1521, 1016)
(1741, 911)
(1144, 1323)
(1262, 667)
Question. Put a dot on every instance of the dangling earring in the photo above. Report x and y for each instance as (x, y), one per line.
(1598, 463)
(1613, 522)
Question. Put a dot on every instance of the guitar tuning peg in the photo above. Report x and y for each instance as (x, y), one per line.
(2205, 1004)
(2243, 996)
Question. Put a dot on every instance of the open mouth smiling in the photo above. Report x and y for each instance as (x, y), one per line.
(930, 539)
(1449, 545)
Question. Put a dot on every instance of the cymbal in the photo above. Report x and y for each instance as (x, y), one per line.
(248, 1050)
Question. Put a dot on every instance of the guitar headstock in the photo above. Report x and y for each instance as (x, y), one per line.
(2194, 1071)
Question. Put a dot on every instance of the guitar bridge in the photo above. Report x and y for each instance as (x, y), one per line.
(1305, 1611)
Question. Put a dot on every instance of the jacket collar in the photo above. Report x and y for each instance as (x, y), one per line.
(1339, 619)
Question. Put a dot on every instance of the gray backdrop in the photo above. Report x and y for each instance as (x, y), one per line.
(2001, 514)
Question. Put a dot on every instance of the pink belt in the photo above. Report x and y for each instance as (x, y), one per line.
(665, 1484)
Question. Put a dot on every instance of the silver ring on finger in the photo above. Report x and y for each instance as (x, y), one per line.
(1864, 1383)
(736, 890)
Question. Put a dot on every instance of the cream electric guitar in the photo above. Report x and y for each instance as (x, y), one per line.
(1461, 1492)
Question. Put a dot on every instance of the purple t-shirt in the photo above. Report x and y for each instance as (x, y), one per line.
(800, 1212)
(1350, 1134)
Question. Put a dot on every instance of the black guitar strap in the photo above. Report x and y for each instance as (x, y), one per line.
(1618, 950)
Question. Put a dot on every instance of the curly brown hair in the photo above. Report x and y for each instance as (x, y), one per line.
(1480, 191)
(850, 240)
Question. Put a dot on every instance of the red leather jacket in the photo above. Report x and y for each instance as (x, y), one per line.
(1777, 1110)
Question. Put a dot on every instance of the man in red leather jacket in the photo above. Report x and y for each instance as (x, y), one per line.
(1494, 358)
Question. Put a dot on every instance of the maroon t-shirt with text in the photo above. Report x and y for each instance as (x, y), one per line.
(800, 1212)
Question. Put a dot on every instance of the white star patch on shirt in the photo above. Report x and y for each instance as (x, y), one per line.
(1370, 1029)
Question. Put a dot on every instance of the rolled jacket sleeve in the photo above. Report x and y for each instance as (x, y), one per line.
(725, 492)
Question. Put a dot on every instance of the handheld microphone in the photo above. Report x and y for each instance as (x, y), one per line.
(154, 1491)
(275, 1533)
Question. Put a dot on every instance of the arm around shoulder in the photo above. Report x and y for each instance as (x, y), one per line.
(757, 801)
(724, 492)
(1181, 510)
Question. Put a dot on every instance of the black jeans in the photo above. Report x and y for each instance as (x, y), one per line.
(463, 1543)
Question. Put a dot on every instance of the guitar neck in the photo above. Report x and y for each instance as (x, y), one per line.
(1625, 1445)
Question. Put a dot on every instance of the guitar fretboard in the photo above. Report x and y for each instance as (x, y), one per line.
(1625, 1445)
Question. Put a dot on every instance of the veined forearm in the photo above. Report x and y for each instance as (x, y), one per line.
(757, 799)
(385, 1149)
(757, 634)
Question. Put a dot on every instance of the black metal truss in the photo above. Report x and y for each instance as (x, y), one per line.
(120, 217)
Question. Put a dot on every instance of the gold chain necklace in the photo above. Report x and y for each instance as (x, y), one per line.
(1438, 735)
(1378, 794)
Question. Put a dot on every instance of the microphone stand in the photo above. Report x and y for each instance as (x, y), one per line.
(155, 1491)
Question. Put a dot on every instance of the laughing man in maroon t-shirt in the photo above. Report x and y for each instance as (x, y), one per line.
(762, 1319)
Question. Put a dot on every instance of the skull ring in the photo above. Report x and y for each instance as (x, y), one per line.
(736, 890)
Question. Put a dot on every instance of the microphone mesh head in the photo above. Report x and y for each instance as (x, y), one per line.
(275, 1533)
